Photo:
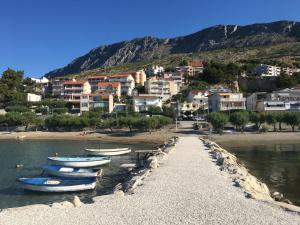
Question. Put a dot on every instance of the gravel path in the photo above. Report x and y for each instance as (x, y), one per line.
(187, 189)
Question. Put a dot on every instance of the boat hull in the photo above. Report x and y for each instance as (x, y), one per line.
(108, 153)
(50, 184)
(73, 173)
(78, 164)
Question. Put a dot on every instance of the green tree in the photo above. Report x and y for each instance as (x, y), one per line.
(217, 120)
(239, 119)
(292, 119)
(271, 119)
(257, 118)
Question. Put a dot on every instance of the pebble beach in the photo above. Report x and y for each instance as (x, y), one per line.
(187, 188)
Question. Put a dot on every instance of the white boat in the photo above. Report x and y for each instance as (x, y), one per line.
(79, 161)
(49, 184)
(60, 171)
(108, 152)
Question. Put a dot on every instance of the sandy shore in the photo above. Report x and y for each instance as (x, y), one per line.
(256, 138)
(188, 188)
(156, 137)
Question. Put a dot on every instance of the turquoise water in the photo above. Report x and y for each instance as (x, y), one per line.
(32, 154)
(278, 165)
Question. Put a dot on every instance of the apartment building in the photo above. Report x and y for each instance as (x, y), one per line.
(193, 68)
(57, 87)
(226, 101)
(94, 80)
(139, 77)
(178, 78)
(142, 103)
(73, 91)
(113, 88)
(126, 80)
(161, 87)
(273, 71)
(199, 97)
(283, 100)
(90, 102)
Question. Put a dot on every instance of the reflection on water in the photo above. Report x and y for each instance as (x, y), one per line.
(32, 154)
(278, 165)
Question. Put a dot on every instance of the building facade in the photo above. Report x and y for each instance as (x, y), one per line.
(126, 80)
(142, 103)
(33, 97)
(161, 87)
(226, 102)
(95, 80)
(193, 68)
(113, 88)
(283, 100)
(200, 97)
(154, 70)
(89, 102)
(73, 91)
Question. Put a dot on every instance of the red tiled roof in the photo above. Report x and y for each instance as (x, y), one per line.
(74, 82)
(196, 63)
(97, 76)
(105, 84)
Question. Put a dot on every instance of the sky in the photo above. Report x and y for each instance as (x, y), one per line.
(38, 36)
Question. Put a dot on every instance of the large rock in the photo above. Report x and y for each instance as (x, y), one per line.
(76, 201)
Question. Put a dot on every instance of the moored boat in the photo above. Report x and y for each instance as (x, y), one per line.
(60, 171)
(108, 152)
(79, 161)
(50, 184)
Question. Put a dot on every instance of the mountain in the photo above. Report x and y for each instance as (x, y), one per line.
(212, 38)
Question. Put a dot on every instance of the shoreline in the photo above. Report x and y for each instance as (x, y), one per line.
(155, 138)
(257, 138)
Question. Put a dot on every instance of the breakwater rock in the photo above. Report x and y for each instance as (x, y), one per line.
(241, 177)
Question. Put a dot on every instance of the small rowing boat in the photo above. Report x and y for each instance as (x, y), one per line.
(79, 161)
(49, 184)
(108, 152)
(60, 171)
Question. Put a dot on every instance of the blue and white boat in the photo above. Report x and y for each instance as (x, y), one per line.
(79, 161)
(60, 171)
(50, 184)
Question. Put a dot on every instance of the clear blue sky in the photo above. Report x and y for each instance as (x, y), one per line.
(41, 35)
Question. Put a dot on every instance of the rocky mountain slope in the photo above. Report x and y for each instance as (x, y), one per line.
(213, 38)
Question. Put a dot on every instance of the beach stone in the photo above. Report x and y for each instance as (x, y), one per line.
(64, 204)
(76, 201)
(153, 162)
(119, 193)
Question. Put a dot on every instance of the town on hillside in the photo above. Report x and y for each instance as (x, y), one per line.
(191, 91)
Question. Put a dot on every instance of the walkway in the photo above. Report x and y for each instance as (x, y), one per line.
(187, 189)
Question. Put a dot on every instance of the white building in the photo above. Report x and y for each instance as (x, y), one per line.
(200, 97)
(73, 91)
(33, 97)
(154, 70)
(273, 71)
(142, 103)
(226, 101)
(161, 87)
(283, 100)
(267, 70)
(126, 80)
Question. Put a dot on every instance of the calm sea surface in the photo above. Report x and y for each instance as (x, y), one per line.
(33, 155)
(278, 165)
